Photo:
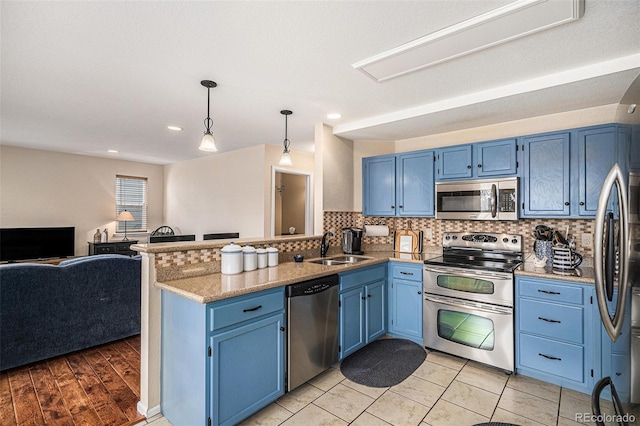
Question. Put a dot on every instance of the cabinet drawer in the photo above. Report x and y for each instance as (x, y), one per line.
(105, 249)
(226, 313)
(551, 320)
(550, 291)
(552, 357)
(405, 272)
(360, 277)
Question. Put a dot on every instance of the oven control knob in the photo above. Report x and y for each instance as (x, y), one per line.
(505, 240)
(455, 237)
(514, 241)
(447, 237)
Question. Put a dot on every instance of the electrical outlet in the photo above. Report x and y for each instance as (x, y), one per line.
(587, 240)
(429, 234)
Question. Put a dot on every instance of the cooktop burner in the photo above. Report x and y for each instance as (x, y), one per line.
(486, 251)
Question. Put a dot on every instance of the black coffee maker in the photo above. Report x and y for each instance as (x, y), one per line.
(352, 240)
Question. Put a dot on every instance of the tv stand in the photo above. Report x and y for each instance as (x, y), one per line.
(116, 247)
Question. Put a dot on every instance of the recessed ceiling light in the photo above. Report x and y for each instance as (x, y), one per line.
(113, 151)
(174, 128)
(334, 115)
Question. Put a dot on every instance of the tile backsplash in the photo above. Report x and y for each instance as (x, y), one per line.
(335, 220)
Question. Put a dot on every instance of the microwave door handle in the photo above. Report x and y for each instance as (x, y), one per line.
(494, 200)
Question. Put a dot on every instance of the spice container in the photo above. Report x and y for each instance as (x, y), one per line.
(272, 256)
(262, 257)
(249, 258)
(231, 259)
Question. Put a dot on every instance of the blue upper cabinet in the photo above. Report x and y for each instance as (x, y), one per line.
(414, 184)
(378, 186)
(597, 153)
(479, 160)
(495, 158)
(546, 178)
(454, 162)
(398, 185)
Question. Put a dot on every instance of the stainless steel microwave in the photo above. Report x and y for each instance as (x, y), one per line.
(485, 199)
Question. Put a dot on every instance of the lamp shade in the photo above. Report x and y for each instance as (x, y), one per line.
(285, 160)
(125, 216)
(208, 143)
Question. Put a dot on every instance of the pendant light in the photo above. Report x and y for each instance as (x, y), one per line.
(208, 143)
(285, 160)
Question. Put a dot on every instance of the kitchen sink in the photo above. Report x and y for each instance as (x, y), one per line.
(339, 260)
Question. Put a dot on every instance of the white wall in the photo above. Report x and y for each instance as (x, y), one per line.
(45, 188)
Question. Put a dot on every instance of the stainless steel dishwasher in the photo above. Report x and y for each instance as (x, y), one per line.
(312, 328)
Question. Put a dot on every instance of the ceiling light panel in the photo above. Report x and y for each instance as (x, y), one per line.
(515, 20)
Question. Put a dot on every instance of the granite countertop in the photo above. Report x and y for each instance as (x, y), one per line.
(582, 274)
(217, 286)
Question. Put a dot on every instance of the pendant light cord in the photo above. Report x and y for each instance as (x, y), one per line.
(286, 139)
(208, 122)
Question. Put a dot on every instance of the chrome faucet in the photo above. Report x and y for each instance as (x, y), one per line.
(324, 245)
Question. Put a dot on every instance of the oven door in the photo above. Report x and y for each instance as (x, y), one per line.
(491, 287)
(472, 330)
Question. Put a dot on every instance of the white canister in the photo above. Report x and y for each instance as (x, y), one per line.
(272, 256)
(262, 257)
(231, 259)
(250, 258)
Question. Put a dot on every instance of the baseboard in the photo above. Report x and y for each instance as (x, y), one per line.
(148, 412)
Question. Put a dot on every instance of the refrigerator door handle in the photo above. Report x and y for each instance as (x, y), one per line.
(613, 325)
(610, 253)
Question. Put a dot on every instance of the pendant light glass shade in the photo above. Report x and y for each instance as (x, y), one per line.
(207, 143)
(285, 160)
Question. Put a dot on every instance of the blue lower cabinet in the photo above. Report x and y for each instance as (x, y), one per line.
(363, 308)
(405, 301)
(223, 361)
(616, 357)
(555, 339)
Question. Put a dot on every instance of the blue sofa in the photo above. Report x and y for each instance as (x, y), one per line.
(49, 310)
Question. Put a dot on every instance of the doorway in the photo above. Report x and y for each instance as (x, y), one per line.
(291, 211)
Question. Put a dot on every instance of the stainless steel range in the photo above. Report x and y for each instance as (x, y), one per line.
(468, 297)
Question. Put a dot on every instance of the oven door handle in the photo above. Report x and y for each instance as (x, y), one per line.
(471, 305)
(468, 274)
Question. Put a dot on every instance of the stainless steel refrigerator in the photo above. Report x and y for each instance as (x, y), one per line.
(616, 263)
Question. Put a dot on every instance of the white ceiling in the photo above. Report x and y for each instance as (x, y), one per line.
(84, 77)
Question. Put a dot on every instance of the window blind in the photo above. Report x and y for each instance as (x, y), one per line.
(131, 195)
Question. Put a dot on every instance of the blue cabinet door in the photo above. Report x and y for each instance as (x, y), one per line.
(454, 162)
(352, 327)
(597, 153)
(378, 186)
(247, 369)
(406, 308)
(414, 184)
(546, 175)
(376, 310)
(495, 158)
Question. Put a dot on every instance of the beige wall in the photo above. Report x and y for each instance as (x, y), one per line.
(218, 193)
(45, 188)
(337, 170)
(227, 192)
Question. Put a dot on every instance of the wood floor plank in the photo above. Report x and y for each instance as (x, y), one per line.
(118, 389)
(7, 415)
(130, 354)
(135, 342)
(53, 409)
(130, 376)
(24, 397)
(101, 399)
(74, 396)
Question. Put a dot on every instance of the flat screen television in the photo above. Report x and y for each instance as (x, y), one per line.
(36, 243)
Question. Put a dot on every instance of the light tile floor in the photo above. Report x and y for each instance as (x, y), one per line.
(445, 390)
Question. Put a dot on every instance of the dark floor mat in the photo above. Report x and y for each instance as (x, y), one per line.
(383, 363)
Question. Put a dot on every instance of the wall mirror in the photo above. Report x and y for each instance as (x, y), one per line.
(291, 202)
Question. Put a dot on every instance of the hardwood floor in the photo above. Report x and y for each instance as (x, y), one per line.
(96, 386)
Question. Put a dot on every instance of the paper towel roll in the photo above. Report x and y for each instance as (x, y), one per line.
(376, 230)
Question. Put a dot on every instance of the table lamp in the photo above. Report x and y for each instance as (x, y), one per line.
(125, 216)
